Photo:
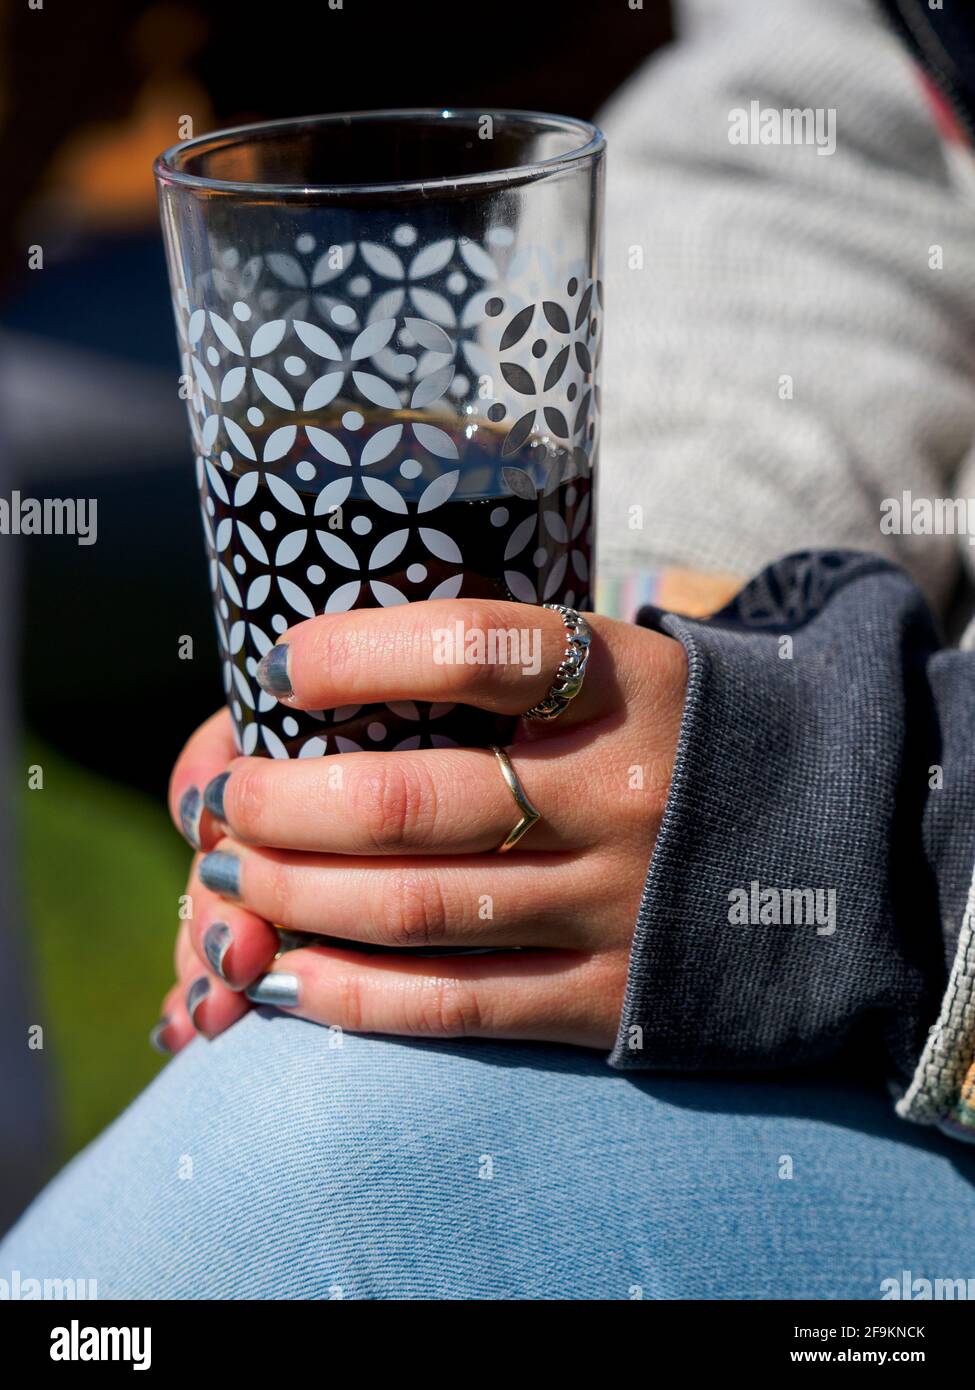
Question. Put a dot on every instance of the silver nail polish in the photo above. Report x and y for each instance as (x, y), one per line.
(195, 996)
(190, 811)
(213, 795)
(216, 944)
(156, 1037)
(276, 989)
(220, 872)
(272, 671)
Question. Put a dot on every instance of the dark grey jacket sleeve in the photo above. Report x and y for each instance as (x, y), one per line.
(809, 883)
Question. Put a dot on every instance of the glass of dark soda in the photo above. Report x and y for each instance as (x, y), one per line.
(390, 326)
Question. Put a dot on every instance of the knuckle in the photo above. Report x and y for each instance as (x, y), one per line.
(328, 647)
(462, 674)
(245, 799)
(388, 804)
(415, 910)
(351, 1001)
(447, 1007)
(279, 887)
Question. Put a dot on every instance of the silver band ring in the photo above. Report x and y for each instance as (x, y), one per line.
(572, 668)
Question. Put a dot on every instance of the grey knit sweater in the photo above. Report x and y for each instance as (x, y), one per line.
(787, 357)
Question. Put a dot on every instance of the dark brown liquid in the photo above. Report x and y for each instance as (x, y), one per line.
(458, 520)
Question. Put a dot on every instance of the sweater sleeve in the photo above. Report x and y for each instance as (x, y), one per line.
(810, 887)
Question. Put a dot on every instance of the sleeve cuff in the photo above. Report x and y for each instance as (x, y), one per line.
(788, 903)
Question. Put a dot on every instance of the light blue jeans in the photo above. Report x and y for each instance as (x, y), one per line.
(272, 1163)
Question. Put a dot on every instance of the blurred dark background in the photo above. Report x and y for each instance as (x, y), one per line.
(89, 94)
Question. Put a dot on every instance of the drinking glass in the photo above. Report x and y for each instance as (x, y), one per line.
(390, 327)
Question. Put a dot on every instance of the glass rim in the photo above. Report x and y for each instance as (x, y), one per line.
(167, 166)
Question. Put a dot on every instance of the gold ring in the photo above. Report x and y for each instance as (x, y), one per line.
(528, 813)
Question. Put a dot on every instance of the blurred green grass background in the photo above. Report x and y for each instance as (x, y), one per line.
(103, 869)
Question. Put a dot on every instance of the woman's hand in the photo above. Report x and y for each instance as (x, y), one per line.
(396, 848)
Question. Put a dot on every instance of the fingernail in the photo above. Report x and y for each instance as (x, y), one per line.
(272, 671)
(216, 943)
(213, 795)
(220, 872)
(190, 811)
(277, 988)
(195, 996)
(156, 1037)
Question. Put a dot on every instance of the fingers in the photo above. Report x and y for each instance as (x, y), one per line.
(501, 657)
(229, 942)
(210, 1006)
(219, 950)
(197, 1004)
(208, 752)
(551, 996)
(430, 903)
(174, 1029)
(424, 801)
